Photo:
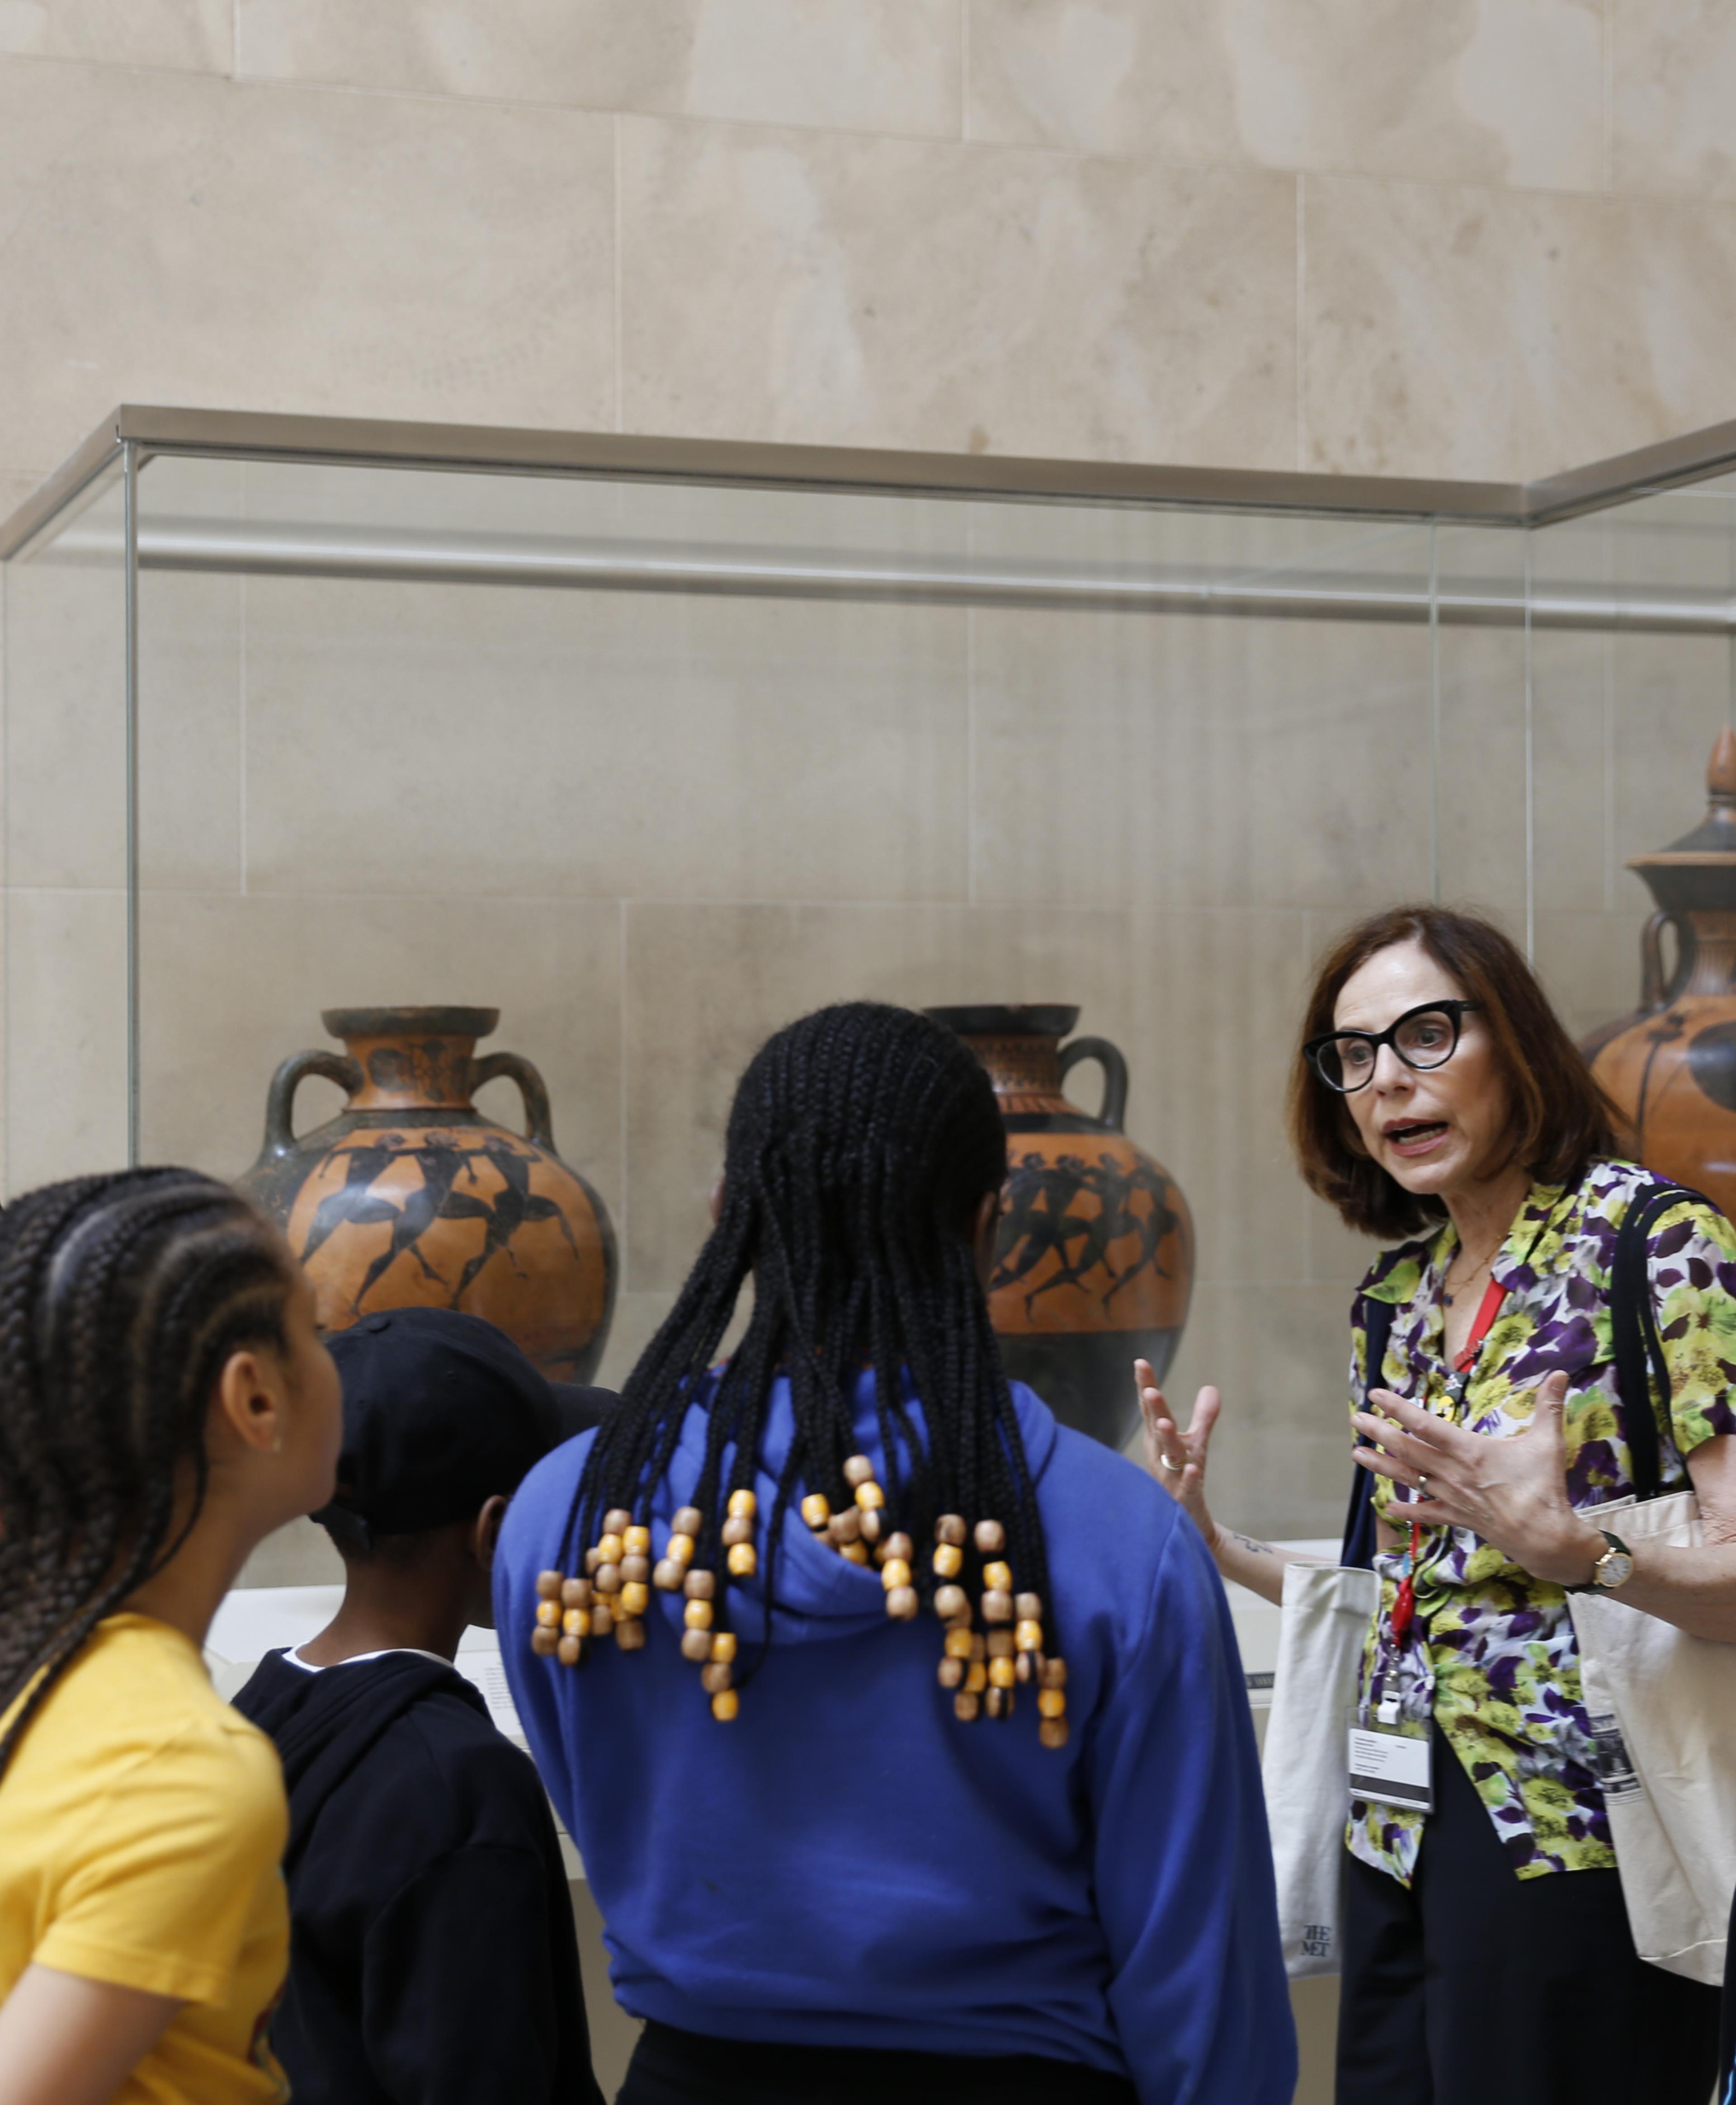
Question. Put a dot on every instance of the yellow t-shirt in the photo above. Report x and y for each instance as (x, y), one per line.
(142, 1824)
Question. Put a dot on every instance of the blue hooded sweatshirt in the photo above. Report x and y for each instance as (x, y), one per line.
(847, 1864)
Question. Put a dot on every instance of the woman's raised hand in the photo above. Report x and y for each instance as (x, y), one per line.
(1176, 1458)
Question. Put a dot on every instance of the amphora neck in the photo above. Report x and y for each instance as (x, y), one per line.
(412, 1059)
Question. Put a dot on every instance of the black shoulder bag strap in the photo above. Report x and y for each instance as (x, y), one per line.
(1642, 1373)
(1359, 1521)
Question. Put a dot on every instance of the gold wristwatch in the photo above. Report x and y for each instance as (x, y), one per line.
(1614, 1568)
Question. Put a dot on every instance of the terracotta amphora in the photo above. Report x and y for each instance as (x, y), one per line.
(1095, 1263)
(1670, 1066)
(411, 1197)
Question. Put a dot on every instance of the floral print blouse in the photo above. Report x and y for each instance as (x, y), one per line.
(1498, 1644)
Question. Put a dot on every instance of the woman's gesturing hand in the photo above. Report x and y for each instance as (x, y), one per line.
(1176, 1458)
(1512, 1492)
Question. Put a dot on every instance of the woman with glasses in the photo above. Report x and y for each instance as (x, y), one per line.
(1439, 1104)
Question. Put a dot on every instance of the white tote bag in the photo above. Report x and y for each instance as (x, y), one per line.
(1327, 1610)
(1662, 1706)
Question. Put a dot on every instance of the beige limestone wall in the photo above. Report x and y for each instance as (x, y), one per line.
(1453, 237)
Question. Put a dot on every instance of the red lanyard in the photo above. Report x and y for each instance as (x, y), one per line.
(1404, 1601)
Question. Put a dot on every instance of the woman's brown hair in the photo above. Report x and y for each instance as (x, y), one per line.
(1560, 1120)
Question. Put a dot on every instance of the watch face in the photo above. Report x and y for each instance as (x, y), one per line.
(1615, 1567)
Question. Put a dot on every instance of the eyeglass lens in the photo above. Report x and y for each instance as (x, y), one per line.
(1423, 1041)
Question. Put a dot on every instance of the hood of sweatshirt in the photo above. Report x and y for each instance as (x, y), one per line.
(325, 1723)
(819, 1595)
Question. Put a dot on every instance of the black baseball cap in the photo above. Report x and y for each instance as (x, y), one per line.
(440, 1411)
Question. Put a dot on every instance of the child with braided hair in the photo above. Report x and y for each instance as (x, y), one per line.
(165, 1402)
(927, 1772)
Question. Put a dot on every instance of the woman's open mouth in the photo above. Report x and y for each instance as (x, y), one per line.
(1416, 1136)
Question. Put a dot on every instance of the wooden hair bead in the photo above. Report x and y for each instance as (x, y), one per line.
(744, 1561)
(717, 1677)
(549, 1586)
(700, 1585)
(999, 1645)
(949, 1561)
(679, 1549)
(635, 1570)
(602, 1620)
(608, 1580)
(858, 1470)
(978, 1645)
(1001, 1675)
(1052, 1702)
(576, 1593)
(894, 1572)
(853, 1553)
(593, 1559)
(951, 1601)
(569, 1651)
(1030, 1607)
(723, 1646)
(999, 1702)
(898, 1545)
(966, 1704)
(976, 1677)
(548, 1614)
(611, 1548)
(844, 1526)
(667, 1575)
(870, 1498)
(990, 1537)
(951, 1530)
(958, 1644)
(997, 1608)
(817, 1510)
(950, 1673)
(1054, 1673)
(739, 1528)
(997, 1578)
(576, 1623)
(743, 1505)
(697, 1615)
(1030, 1637)
(636, 1541)
(629, 1632)
(725, 1705)
(688, 1520)
(617, 1520)
(635, 1597)
(871, 1523)
(901, 1603)
(1052, 1732)
(545, 1641)
(1022, 1666)
(695, 1645)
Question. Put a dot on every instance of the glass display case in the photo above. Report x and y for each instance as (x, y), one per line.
(648, 746)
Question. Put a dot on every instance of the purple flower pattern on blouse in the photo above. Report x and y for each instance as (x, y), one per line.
(1498, 1643)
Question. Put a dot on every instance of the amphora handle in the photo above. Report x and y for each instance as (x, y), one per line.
(539, 1129)
(1109, 1057)
(1652, 983)
(339, 1067)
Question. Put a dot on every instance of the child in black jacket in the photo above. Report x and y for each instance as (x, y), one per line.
(432, 1955)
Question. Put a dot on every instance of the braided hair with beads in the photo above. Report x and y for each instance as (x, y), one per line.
(121, 1297)
(862, 1143)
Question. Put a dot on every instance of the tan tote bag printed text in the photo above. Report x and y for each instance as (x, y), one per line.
(1662, 1706)
(1327, 1610)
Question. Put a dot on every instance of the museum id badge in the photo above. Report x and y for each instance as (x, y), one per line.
(1390, 1763)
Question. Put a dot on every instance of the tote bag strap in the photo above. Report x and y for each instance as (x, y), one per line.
(1642, 1373)
(1359, 1521)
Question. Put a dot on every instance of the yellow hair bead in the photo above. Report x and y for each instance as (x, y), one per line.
(816, 1509)
(976, 1678)
(1052, 1702)
(679, 1549)
(1029, 1636)
(948, 1561)
(610, 1550)
(853, 1553)
(958, 1644)
(548, 1614)
(744, 1561)
(637, 1542)
(1001, 1673)
(894, 1572)
(997, 1578)
(576, 1622)
(697, 1615)
(743, 1505)
(723, 1646)
(635, 1597)
(725, 1705)
(870, 1497)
